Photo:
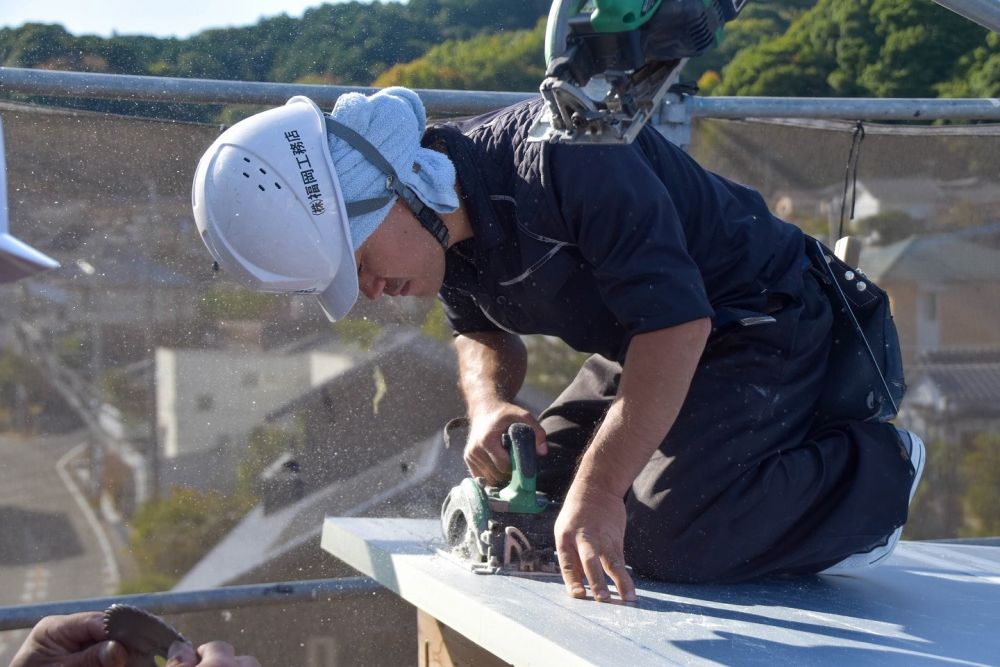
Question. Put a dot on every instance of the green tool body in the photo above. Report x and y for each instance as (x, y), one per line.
(504, 529)
(619, 15)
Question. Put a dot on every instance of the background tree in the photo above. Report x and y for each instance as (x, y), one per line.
(461, 19)
(505, 61)
(758, 22)
(981, 472)
(936, 511)
(38, 45)
(920, 44)
(869, 47)
(26, 399)
(977, 72)
(169, 536)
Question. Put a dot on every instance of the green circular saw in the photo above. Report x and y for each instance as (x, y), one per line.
(507, 529)
(610, 62)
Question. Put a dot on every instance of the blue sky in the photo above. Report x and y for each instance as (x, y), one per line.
(162, 18)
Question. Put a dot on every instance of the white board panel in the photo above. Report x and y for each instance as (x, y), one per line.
(930, 604)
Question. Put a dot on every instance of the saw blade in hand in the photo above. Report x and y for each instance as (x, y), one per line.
(142, 634)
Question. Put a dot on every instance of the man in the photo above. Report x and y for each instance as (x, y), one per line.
(689, 445)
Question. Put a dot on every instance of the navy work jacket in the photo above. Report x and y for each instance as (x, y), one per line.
(595, 244)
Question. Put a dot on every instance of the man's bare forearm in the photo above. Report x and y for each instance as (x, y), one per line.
(492, 366)
(590, 529)
(655, 379)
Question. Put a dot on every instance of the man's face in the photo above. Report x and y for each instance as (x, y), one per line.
(400, 258)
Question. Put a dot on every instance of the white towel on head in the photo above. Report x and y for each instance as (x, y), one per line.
(393, 121)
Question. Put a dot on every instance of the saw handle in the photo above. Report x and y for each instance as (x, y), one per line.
(520, 494)
(519, 440)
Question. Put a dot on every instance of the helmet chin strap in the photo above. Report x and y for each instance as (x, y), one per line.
(425, 215)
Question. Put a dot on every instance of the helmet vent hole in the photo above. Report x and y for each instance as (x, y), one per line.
(246, 159)
(277, 185)
(262, 170)
(261, 188)
(246, 174)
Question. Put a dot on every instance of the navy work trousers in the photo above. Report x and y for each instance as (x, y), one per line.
(746, 483)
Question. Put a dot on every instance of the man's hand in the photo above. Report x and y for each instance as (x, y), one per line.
(590, 538)
(484, 453)
(77, 640)
(213, 654)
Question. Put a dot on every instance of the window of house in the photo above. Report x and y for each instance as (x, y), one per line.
(321, 652)
(930, 306)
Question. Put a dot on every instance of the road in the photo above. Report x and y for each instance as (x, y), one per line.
(50, 549)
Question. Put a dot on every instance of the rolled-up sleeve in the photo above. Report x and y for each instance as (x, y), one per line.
(625, 225)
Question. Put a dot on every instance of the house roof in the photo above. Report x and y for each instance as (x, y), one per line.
(411, 484)
(959, 355)
(400, 346)
(921, 189)
(940, 259)
(968, 383)
(963, 380)
(909, 190)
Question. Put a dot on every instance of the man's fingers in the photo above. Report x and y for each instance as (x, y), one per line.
(572, 571)
(113, 654)
(613, 560)
(478, 463)
(216, 649)
(215, 654)
(583, 557)
(490, 461)
(481, 465)
(223, 654)
(541, 439)
(592, 568)
(500, 460)
(73, 632)
(181, 654)
(614, 565)
(104, 654)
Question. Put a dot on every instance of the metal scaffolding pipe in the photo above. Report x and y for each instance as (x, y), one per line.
(321, 590)
(848, 108)
(213, 91)
(449, 102)
(984, 12)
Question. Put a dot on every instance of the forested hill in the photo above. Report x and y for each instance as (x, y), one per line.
(348, 43)
(872, 48)
(777, 47)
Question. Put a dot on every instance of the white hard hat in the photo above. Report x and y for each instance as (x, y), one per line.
(269, 207)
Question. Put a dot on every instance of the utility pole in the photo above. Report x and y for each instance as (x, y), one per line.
(150, 320)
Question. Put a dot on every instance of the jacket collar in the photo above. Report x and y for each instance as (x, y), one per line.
(487, 232)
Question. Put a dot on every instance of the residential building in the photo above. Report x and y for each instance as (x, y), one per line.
(942, 289)
(954, 395)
